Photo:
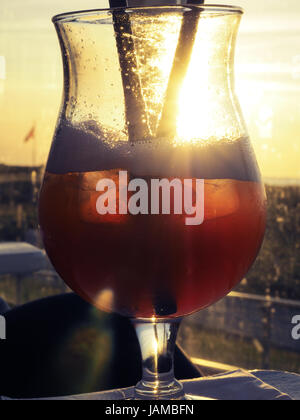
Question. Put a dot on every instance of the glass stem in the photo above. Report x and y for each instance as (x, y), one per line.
(157, 340)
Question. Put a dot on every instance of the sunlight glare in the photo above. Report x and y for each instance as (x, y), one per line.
(208, 109)
(193, 109)
(105, 299)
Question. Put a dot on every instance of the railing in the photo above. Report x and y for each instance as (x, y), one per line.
(265, 320)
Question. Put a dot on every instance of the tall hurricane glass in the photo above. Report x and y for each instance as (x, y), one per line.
(152, 205)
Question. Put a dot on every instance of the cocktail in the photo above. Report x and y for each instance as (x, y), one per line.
(152, 205)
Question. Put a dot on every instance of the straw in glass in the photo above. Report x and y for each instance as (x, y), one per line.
(136, 115)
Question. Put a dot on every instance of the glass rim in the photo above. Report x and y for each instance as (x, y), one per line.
(219, 9)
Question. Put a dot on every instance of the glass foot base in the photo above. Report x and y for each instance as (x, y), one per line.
(186, 397)
(162, 390)
(190, 397)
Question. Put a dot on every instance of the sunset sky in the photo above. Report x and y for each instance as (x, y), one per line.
(267, 74)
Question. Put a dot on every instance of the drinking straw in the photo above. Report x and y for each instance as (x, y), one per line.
(188, 32)
(136, 114)
(135, 111)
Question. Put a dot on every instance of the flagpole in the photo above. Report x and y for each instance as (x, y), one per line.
(34, 163)
(32, 136)
(33, 157)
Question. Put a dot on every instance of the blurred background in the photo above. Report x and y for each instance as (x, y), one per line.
(251, 328)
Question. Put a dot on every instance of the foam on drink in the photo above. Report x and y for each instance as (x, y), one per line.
(89, 148)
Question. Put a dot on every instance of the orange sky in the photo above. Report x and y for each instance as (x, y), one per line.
(267, 71)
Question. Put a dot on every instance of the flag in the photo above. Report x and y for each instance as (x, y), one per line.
(30, 135)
